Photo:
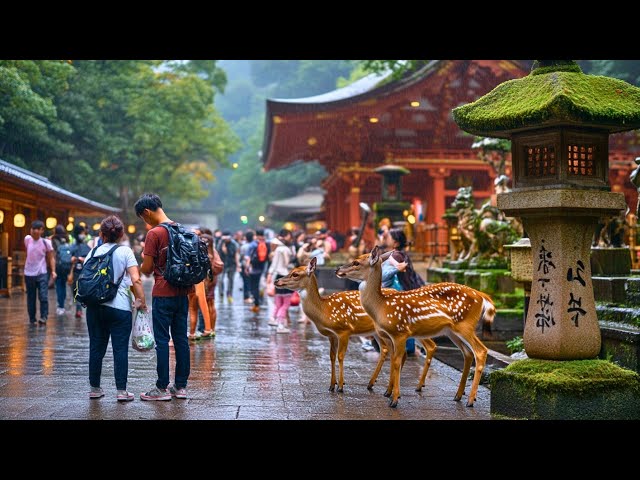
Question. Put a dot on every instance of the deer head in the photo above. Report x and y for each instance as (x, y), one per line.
(359, 269)
(298, 278)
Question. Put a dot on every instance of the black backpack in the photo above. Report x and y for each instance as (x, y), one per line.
(95, 284)
(187, 257)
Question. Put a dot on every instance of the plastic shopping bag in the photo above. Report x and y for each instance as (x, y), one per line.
(142, 338)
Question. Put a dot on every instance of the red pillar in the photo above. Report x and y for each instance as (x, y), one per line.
(436, 205)
(354, 207)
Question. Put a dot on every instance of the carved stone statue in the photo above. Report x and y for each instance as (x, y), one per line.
(484, 232)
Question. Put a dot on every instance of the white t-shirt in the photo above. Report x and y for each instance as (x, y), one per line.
(123, 258)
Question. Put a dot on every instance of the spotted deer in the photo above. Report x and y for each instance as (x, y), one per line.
(447, 309)
(339, 316)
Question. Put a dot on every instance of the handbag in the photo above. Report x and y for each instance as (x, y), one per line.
(271, 290)
(295, 299)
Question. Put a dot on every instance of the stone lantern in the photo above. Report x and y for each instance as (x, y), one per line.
(391, 206)
(558, 120)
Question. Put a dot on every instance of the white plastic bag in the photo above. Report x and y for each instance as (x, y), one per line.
(142, 338)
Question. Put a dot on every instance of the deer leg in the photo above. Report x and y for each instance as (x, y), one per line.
(399, 354)
(468, 358)
(480, 352)
(392, 349)
(430, 346)
(343, 343)
(384, 348)
(332, 356)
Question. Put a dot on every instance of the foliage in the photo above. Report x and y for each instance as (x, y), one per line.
(296, 78)
(31, 132)
(128, 126)
(272, 185)
(515, 344)
(575, 376)
(399, 68)
(356, 74)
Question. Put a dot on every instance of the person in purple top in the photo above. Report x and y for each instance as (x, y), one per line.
(39, 259)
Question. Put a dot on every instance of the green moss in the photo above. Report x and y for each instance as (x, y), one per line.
(550, 96)
(541, 67)
(572, 377)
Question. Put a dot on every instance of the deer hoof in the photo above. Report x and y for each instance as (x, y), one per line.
(387, 393)
(341, 389)
(419, 388)
(332, 388)
(457, 398)
(470, 404)
(393, 403)
(370, 386)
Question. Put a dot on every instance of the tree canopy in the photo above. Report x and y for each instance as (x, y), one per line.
(111, 130)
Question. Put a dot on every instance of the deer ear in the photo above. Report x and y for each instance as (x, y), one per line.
(373, 258)
(312, 266)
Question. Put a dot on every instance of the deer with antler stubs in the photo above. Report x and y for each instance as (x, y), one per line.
(339, 316)
(447, 309)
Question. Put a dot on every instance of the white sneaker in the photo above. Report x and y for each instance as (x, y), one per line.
(282, 329)
(272, 322)
(60, 311)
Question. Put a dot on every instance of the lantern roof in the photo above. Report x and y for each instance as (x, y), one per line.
(556, 92)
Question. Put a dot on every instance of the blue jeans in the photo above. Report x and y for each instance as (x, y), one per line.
(103, 322)
(171, 313)
(61, 288)
(246, 286)
(39, 284)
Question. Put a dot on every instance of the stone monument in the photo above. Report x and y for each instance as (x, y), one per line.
(558, 120)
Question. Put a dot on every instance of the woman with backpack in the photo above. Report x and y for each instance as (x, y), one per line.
(79, 251)
(62, 249)
(113, 318)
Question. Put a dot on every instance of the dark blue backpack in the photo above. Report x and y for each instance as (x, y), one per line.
(96, 283)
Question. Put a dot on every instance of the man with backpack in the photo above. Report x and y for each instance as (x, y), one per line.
(255, 261)
(170, 305)
(62, 247)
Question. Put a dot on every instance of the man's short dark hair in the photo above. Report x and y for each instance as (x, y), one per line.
(260, 232)
(249, 236)
(149, 201)
(284, 232)
(37, 224)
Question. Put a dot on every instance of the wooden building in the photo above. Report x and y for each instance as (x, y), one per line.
(375, 121)
(25, 197)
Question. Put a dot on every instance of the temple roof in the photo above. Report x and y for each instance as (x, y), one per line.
(25, 178)
(377, 117)
(308, 202)
(553, 94)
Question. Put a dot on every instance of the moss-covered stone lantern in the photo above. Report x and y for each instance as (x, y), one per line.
(558, 120)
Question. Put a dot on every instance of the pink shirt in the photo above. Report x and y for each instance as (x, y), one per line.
(36, 261)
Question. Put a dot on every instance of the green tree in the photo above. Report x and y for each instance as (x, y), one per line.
(31, 132)
(145, 126)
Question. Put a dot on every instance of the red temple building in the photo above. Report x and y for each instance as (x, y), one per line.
(376, 120)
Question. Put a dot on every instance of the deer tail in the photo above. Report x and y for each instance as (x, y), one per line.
(488, 314)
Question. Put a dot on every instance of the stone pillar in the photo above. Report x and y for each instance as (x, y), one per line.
(561, 322)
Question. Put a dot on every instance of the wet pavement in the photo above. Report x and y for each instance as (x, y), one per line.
(247, 372)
